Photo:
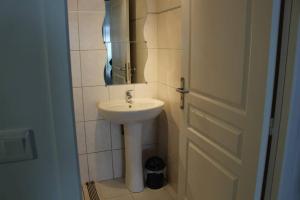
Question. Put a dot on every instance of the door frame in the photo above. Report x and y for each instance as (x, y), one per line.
(61, 97)
(283, 152)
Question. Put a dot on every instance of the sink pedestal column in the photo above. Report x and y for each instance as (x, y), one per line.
(133, 157)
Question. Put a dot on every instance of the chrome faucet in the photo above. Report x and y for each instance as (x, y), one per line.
(129, 96)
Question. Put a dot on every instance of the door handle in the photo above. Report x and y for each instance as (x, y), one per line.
(182, 92)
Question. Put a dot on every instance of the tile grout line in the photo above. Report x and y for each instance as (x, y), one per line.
(87, 11)
(86, 159)
(120, 85)
(164, 10)
(112, 156)
(112, 153)
(89, 50)
(115, 149)
(82, 97)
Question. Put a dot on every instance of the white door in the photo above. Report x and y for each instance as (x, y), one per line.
(229, 61)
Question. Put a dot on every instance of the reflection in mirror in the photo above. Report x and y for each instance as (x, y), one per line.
(123, 35)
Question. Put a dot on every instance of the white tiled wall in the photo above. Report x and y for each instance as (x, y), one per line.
(91, 96)
(169, 72)
(97, 136)
(100, 165)
(100, 142)
(92, 63)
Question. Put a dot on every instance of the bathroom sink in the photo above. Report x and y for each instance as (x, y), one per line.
(121, 112)
(131, 115)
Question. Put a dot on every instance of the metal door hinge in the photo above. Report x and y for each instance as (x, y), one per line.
(182, 92)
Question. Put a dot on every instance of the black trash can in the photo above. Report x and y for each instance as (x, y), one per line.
(155, 172)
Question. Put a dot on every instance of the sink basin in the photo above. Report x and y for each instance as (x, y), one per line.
(140, 110)
(131, 116)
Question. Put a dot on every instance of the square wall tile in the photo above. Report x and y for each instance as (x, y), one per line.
(100, 166)
(149, 132)
(90, 30)
(173, 142)
(80, 134)
(172, 176)
(98, 136)
(169, 29)
(118, 163)
(152, 6)
(95, 5)
(151, 66)
(118, 92)
(172, 103)
(150, 30)
(172, 173)
(148, 90)
(163, 65)
(140, 54)
(168, 149)
(78, 106)
(174, 112)
(162, 94)
(173, 78)
(169, 67)
(116, 136)
(91, 97)
(75, 68)
(72, 5)
(171, 108)
(84, 171)
(73, 31)
(137, 33)
(168, 4)
(92, 65)
(148, 151)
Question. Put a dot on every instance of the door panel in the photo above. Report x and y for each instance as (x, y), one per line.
(215, 176)
(229, 67)
(223, 134)
(220, 48)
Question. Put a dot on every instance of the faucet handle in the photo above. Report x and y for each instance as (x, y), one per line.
(129, 96)
(128, 92)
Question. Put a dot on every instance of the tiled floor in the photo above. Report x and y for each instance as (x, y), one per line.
(116, 190)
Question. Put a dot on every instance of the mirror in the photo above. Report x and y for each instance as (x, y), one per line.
(123, 35)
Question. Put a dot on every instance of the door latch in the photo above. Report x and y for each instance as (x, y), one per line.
(182, 92)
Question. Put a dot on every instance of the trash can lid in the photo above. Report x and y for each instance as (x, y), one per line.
(155, 164)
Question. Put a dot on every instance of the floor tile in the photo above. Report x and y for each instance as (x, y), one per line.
(85, 192)
(117, 190)
(149, 194)
(125, 197)
(111, 189)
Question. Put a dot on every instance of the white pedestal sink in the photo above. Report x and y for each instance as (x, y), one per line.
(132, 116)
